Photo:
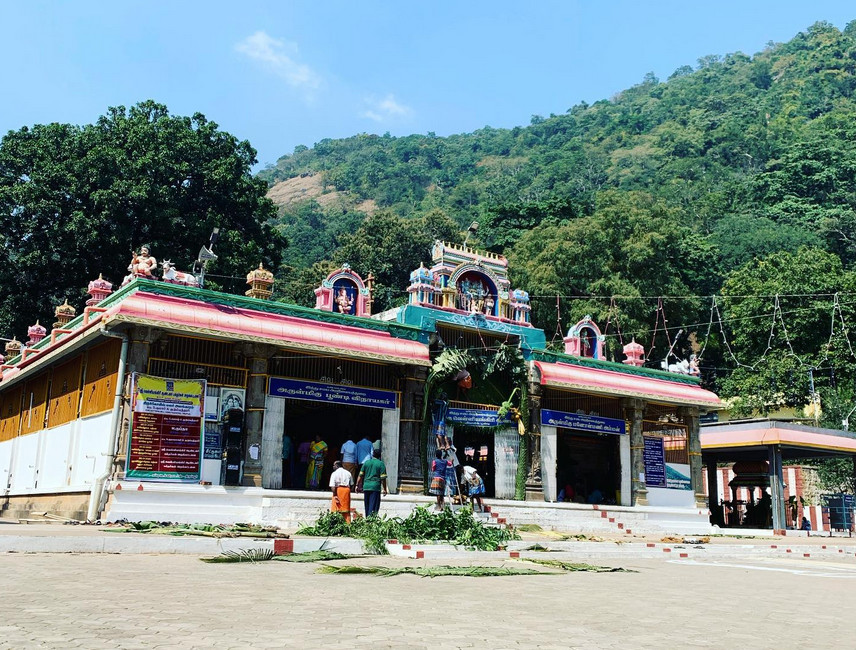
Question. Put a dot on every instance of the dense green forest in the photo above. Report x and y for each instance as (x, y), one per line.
(680, 188)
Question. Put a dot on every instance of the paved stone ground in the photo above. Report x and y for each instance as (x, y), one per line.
(166, 601)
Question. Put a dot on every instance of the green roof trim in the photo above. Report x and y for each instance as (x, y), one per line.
(396, 330)
(558, 357)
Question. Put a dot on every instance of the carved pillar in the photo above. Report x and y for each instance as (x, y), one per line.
(634, 411)
(690, 417)
(273, 427)
(269, 454)
(410, 453)
(534, 483)
(140, 341)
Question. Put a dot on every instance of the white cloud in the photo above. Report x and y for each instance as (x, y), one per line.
(387, 108)
(280, 57)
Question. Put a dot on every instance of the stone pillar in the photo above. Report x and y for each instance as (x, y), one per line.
(549, 442)
(411, 472)
(390, 427)
(776, 487)
(689, 415)
(534, 479)
(634, 410)
(140, 340)
(254, 416)
(273, 427)
(626, 460)
(716, 513)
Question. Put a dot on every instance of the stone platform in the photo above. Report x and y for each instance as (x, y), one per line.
(288, 509)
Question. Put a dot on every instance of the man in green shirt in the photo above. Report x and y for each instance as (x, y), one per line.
(372, 478)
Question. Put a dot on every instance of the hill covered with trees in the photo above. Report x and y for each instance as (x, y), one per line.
(731, 176)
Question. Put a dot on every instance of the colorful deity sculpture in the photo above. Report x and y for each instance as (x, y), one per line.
(469, 282)
(585, 340)
(344, 292)
(142, 265)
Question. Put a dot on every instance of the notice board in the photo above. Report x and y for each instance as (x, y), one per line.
(167, 428)
(654, 455)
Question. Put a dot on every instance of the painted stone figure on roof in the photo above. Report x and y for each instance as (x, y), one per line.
(142, 266)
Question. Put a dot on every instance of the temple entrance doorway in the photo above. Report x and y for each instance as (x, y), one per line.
(477, 450)
(335, 424)
(493, 454)
(588, 467)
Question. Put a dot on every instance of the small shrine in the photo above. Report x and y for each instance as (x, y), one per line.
(261, 283)
(13, 348)
(585, 340)
(35, 333)
(345, 292)
(467, 281)
(634, 354)
(64, 314)
(98, 290)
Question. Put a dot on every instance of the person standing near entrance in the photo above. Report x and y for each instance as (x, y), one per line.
(364, 450)
(349, 458)
(371, 481)
(299, 480)
(439, 467)
(340, 484)
(317, 454)
(287, 460)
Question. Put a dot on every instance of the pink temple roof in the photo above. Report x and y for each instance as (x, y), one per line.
(755, 434)
(609, 382)
(220, 321)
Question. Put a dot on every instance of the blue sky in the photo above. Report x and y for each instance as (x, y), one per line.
(292, 72)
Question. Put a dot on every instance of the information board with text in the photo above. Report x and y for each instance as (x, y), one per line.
(167, 428)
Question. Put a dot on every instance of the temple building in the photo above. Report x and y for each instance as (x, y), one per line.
(165, 400)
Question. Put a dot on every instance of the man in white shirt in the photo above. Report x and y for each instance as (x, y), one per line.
(340, 485)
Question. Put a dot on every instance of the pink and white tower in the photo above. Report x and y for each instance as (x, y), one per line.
(585, 340)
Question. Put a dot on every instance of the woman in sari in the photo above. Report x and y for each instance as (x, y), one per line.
(439, 467)
(317, 454)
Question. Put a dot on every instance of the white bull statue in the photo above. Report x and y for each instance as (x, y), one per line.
(171, 275)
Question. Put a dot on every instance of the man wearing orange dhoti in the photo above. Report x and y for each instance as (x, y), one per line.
(340, 484)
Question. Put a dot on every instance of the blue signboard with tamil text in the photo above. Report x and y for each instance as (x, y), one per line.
(581, 422)
(475, 417)
(332, 393)
(654, 457)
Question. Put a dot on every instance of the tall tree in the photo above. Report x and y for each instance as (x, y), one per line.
(76, 200)
(788, 327)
